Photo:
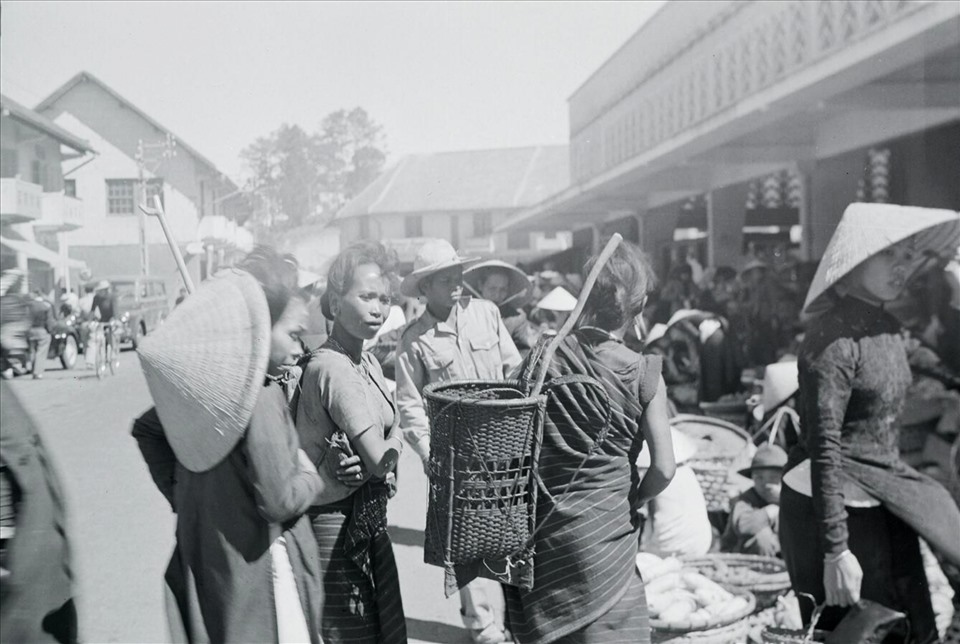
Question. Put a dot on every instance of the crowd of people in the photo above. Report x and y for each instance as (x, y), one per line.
(280, 465)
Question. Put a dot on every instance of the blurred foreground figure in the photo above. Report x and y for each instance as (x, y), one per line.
(36, 582)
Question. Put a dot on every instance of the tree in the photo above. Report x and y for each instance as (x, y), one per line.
(301, 178)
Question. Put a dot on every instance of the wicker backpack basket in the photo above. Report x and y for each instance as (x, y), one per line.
(484, 451)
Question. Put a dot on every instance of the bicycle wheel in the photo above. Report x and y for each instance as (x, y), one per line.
(101, 360)
(114, 355)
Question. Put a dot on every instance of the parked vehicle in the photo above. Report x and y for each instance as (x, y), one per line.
(66, 342)
(142, 305)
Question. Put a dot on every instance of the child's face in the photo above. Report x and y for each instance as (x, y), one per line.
(767, 485)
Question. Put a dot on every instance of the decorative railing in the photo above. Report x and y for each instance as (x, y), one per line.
(742, 52)
(19, 200)
(60, 212)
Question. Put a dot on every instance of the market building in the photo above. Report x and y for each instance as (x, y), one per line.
(462, 197)
(201, 204)
(720, 125)
(36, 212)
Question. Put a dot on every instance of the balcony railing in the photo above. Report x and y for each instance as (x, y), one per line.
(60, 212)
(744, 51)
(19, 201)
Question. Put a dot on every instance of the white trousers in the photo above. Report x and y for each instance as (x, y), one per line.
(291, 624)
(481, 603)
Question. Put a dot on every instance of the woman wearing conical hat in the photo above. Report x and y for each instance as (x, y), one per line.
(222, 448)
(851, 510)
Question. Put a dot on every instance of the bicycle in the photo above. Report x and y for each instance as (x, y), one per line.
(108, 353)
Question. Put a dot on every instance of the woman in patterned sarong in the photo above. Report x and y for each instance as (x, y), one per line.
(345, 408)
(585, 584)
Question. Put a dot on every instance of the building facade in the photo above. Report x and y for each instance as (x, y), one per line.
(461, 197)
(720, 117)
(36, 212)
(133, 145)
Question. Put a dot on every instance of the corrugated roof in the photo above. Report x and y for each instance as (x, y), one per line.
(40, 122)
(466, 180)
(84, 77)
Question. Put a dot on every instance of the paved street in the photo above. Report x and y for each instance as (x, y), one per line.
(122, 529)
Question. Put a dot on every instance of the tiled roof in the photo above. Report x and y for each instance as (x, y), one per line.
(40, 122)
(466, 180)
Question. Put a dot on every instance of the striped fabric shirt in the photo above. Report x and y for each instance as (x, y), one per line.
(586, 545)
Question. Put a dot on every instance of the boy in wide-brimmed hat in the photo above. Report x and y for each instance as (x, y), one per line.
(455, 338)
(754, 526)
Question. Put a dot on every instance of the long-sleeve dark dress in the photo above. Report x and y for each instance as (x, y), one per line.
(853, 375)
(221, 573)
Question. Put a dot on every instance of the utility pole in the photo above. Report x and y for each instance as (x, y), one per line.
(155, 154)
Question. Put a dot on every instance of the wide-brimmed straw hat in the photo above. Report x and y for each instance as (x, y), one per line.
(205, 366)
(435, 255)
(659, 330)
(780, 382)
(754, 265)
(868, 228)
(559, 299)
(519, 285)
(102, 285)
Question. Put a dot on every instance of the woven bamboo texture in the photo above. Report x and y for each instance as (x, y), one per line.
(733, 632)
(720, 445)
(765, 577)
(484, 448)
(776, 635)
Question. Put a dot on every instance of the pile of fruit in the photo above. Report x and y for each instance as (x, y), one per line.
(682, 599)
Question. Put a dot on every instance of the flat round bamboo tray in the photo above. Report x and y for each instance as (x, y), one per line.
(720, 446)
(765, 577)
(776, 635)
(736, 632)
(685, 628)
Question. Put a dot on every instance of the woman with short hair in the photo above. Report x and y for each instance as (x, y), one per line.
(345, 407)
(586, 587)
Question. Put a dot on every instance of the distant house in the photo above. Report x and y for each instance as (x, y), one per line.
(35, 211)
(460, 196)
(189, 185)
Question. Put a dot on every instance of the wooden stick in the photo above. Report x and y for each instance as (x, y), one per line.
(157, 211)
(577, 310)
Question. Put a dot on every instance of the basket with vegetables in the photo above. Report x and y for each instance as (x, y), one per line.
(681, 600)
(765, 577)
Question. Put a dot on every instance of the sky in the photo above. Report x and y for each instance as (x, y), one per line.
(437, 76)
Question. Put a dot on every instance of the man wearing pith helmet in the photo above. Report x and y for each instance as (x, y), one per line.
(455, 338)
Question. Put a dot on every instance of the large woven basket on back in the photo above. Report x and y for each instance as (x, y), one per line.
(484, 448)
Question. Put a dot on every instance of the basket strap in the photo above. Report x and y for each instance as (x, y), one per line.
(597, 443)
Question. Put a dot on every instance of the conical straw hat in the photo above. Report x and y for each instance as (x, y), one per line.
(518, 284)
(868, 228)
(205, 366)
(559, 299)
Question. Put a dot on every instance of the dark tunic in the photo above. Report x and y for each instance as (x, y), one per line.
(586, 588)
(36, 602)
(221, 573)
(853, 375)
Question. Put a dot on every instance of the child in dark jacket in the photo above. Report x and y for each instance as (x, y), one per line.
(754, 526)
